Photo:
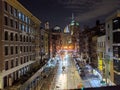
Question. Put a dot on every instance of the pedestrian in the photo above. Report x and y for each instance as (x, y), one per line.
(63, 68)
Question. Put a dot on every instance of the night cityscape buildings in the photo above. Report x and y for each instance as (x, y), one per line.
(31, 54)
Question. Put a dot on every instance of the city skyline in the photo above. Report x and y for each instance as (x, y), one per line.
(59, 12)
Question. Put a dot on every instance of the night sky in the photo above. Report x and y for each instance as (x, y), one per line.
(59, 12)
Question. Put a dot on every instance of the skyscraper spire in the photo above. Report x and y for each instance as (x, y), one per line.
(72, 16)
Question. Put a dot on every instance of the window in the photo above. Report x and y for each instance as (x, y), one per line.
(116, 23)
(24, 39)
(6, 65)
(24, 49)
(27, 59)
(116, 78)
(21, 38)
(116, 51)
(16, 24)
(16, 61)
(11, 23)
(24, 59)
(5, 6)
(11, 9)
(20, 26)
(27, 48)
(42, 37)
(108, 38)
(6, 50)
(30, 48)
(6, 35)
(11, 36)
(16, 37)
(116, 64)
(6, 20)
(108, 25)
(23, 17)
(11, 50)
(23, 27)
(21, 48)
(15, 12)
(116, 37)
(12, 63)
(16, 50)
(29, 39)
(19, 15)
(108, 49)
(21, 60)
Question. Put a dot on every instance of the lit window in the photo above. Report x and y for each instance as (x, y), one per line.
(19, 15)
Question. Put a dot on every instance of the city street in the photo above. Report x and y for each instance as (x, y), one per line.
(69, 78)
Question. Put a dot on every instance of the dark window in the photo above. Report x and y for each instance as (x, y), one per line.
(30, 48)
(116, 79)
(11, 9)
(6, 6)
(6, 50)
(116, 64)
(11, 36)
(42, 37)
(21, 26)
(116, 51)
(24, 48)
(24, 59)
(116, 37)
(11, 23)
(27, 59)
(12, 63)
(16, 24)
(24, 39)
(108, 25)
(21, 38)
(16, 61)
(6, 65)
(27, 48)
(16, 50)
(29, 39)
(21, 48)
(21, 60)
(116, 23)
(6, 35)
(11, 50)
(16, 37)
(6, 20)
(30, 57)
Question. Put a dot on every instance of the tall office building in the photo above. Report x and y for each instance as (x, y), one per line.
(19, 50)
